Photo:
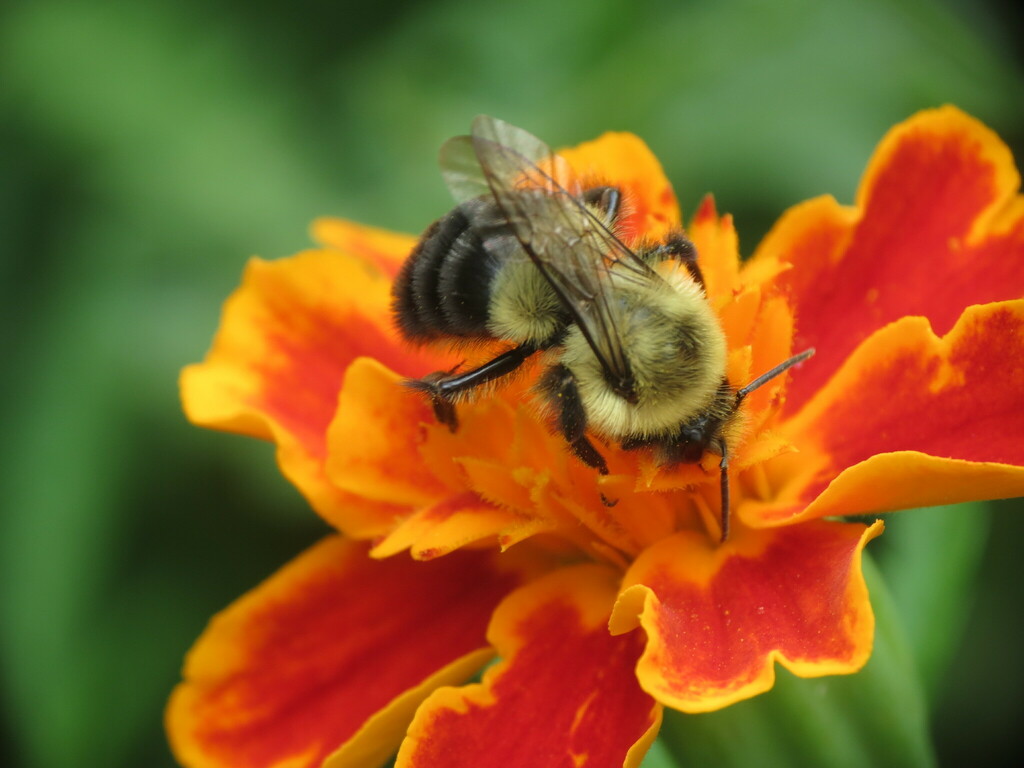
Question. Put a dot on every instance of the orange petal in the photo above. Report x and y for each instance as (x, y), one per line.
(757, 321)
(937, 227)
(487, 427)
(451, 523)
(624, 160)
(911, 420)
(335, 649)
(384, 249)
(375, 438)
(717, 617)
(718, 252)
(565, 693)
(287, 336)
(718, 255)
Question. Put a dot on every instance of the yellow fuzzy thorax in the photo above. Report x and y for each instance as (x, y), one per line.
(523, 305)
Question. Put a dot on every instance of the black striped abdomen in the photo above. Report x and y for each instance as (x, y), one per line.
(444, 287)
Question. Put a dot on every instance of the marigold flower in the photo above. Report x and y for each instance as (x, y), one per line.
(912, 300)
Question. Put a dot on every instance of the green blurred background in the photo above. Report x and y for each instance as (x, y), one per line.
(149, 148)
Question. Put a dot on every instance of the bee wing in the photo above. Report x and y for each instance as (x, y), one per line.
(461, 169)
(540, 199)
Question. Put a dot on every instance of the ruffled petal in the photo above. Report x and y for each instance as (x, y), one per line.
(717, 617)
(650, 209)
(335, 649)
(937, 227)
(384, 249)
(565, 693)
(375, 438)
(440, 528)
(911, 420)
(718, 251)
(501, 475)
(276, 366)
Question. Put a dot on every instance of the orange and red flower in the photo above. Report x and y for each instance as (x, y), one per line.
(912, 299)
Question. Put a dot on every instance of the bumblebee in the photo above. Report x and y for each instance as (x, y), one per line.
(633, 351)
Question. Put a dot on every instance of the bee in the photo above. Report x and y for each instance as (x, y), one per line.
(633, 352)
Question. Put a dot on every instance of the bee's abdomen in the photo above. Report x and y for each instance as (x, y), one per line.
(444, 287)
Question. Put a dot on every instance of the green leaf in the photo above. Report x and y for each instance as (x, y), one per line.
(931, 558)
(659, 756)
(876, 717)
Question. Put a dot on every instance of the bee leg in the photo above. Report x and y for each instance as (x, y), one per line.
(679, 248)
(559, 385)
(724, 476)
(590, 456)
(444, 386)
(689, 445)
(444, 408)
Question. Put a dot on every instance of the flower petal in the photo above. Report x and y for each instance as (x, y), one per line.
(565, 693)
(384, 249)
(718, 250)
(623, 159)
(911, 420)
(282, 676)
(451, 523)
(937, 227)
(276, 366)
(375, 438)
(717, 617)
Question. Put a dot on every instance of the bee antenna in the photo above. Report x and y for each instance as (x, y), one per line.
(776, 371)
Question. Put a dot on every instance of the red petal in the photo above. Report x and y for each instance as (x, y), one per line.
(911, 420)
(566, 694)
(286, 338)
(717, 617)
(334, 648)
(937, 228)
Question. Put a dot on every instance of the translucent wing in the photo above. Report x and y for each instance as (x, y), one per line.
(541, 201)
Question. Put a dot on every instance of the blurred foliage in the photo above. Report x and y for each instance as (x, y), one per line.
(149, 148)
